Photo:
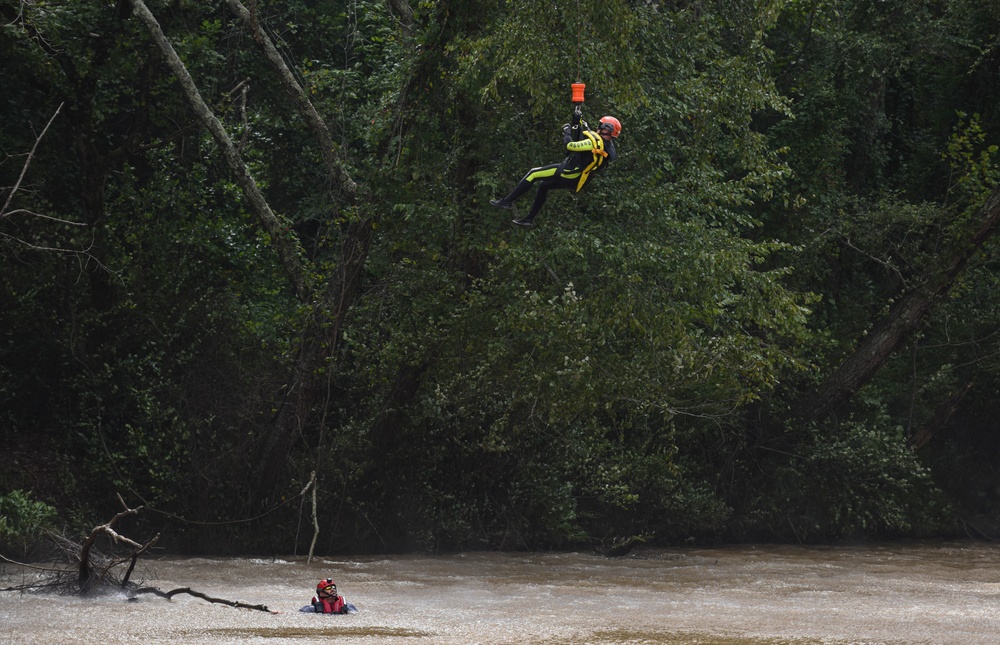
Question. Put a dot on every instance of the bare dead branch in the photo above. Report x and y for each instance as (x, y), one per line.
(59, 580)
(312, 546)
(135, 557)
(31, 566)
(52, 579)
(87, 570)
(5, 237)
(197, 594)
(19, 211)
(27, 162)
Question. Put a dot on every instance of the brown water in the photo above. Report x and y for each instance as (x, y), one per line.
(928, 594)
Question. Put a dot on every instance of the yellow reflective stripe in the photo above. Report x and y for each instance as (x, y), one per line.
(540, 174)
(592, 143)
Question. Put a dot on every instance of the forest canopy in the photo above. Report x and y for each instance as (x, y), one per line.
(249, 258)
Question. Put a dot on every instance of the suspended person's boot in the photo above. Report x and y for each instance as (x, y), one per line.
(544, 187)
(508, 201)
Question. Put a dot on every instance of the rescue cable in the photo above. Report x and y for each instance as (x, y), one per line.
(579, 47)
(579, 86)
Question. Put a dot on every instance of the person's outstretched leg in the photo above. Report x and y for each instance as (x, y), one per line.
(544, 187)
(508, 201)
(533, 175)
(557, 182)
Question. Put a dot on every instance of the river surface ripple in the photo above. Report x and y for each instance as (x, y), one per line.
(935, 594)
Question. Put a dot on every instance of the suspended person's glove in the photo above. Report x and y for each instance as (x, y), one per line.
(571, 131)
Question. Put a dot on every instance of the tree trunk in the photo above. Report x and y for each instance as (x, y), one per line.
(281, 236)
(319, 128)
(906, 315)
(307, 389)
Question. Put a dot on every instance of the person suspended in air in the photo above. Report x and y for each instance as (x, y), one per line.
(589, 152)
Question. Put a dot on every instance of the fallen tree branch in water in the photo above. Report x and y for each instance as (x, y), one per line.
(56, 577)
(89, 574)
(197, 594)
(31, 566)
(96, 572)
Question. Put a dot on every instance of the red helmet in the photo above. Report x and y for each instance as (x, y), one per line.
(326, 588)
(610, 125)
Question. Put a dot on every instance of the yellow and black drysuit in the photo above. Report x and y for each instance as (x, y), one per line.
(589, 153)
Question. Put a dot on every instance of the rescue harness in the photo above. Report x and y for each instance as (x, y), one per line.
(597, 149)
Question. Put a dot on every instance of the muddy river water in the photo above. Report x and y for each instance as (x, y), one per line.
(935, 594)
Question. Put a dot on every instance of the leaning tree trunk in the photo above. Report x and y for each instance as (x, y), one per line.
(307, 390)
(334, 167)
(904, 317)
(288, 250)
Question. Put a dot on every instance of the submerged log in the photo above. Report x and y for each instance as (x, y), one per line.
(197, 594)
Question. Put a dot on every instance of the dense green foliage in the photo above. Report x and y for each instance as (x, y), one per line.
(629, 369)
(22, 520)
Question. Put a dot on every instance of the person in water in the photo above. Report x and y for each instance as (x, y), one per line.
(327, 601)
(588, 152)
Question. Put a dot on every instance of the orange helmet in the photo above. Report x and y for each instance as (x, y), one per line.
(610, 125)
(326, 588)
